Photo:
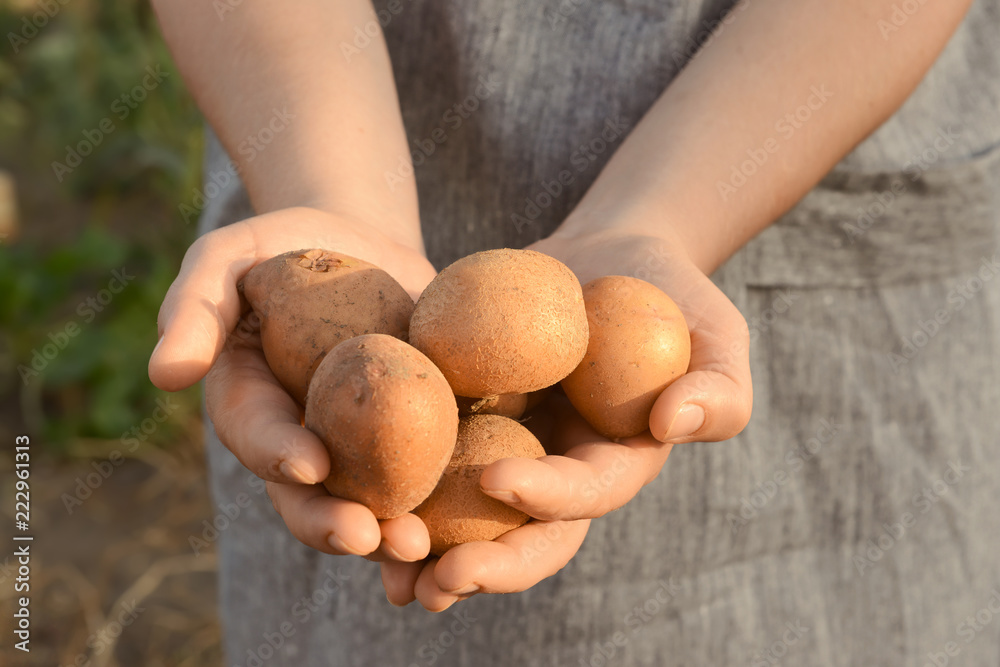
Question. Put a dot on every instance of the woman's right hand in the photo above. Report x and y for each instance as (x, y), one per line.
(203, 334)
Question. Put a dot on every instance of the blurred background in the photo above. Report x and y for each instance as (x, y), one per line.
(100, 151)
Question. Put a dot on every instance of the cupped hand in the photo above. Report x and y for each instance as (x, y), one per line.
(514, 562)
(203, 332)
(588, 476)
(585, 475)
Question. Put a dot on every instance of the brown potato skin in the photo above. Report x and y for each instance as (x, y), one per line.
(389, 420)
(309, 301)
(458, 511)
(639, 344)
(502, 322)
(505, 405)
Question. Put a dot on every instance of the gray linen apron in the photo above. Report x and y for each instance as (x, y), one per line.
(854, 522)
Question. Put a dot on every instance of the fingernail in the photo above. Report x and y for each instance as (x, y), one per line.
(393, 603)
(389, 551)
(334, 541)
(688, 420)
(503, 495)
(438, 610)
(292, 472)
(468, 590)
(156, 347)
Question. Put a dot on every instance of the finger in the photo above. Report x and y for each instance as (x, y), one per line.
(713, 401)
(404, 538)
(591, 480)
(399, 580)
(200, 308)
(259, 422)
(429, 593)
(513, 562)
(328, 524)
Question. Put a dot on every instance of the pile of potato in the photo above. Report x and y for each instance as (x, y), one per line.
(414, 401)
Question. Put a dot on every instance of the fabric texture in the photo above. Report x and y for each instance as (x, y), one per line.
(853, 522)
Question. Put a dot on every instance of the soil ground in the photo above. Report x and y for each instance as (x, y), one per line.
(115, 582)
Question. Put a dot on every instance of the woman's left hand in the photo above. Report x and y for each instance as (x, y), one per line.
(585, 475)
(592, 476)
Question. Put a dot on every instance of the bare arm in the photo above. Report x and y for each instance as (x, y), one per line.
(313, 133)
(340, 125)
(740, 94)
(660, 195)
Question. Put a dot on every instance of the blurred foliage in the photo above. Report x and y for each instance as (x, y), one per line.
(67, 78)
(60, 76)
(78, 358)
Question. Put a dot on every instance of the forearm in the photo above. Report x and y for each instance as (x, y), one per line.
(673, 174)
(306, 124)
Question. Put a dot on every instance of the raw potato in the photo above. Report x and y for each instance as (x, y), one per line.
(639, 344)
(389, 420)
(308, 301)
(505, 405)
(502, 322)
(458, 511)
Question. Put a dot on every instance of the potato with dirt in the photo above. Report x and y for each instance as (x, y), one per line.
(388, 419)
(309, 301)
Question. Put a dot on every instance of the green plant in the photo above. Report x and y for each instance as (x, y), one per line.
(61, 86)
(76, 349)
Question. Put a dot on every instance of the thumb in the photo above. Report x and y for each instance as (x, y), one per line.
(200, 309)
(713, 401)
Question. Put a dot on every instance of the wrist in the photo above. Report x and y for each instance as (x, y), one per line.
(621, 220)
(333, 223)
(686, 233)
(398, 227)
(356, 198)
